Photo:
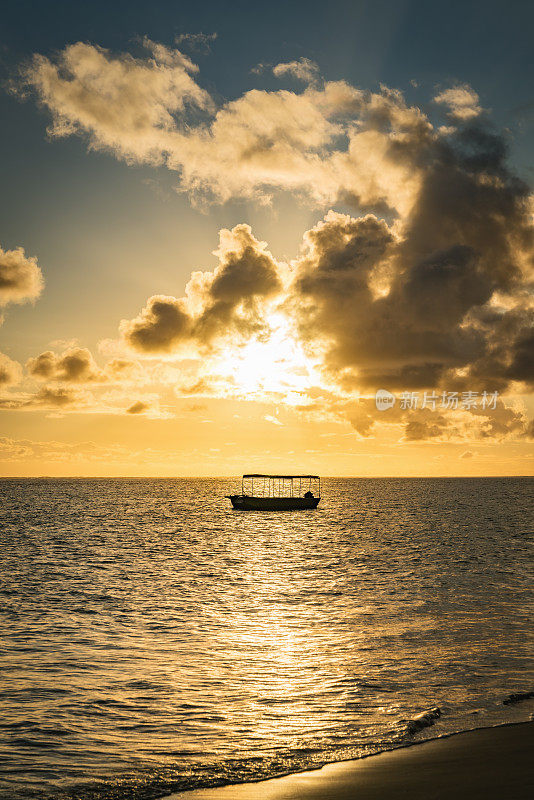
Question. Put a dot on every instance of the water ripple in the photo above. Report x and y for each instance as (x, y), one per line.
(155, 640)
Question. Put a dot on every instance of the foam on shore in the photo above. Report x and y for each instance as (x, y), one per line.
(484, 764)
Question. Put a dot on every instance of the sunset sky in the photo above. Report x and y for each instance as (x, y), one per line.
(225, 226)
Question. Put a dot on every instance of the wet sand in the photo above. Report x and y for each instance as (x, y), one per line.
(488, 764)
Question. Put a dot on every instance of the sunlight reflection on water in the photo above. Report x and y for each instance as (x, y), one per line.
(156, 639)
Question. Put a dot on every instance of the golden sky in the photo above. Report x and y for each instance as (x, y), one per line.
(276, 259)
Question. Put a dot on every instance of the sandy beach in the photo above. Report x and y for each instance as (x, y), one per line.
(483, 764)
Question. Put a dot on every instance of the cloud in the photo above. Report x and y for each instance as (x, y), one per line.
(426, 424)
(200, 42)
(225, 302)
(502, 423)
(27, 450)
(57, 397)
(78, 453)
(21, 279)
(68, 376)
(441, 297)
(273, 420)
(330, 142)
(303, 70)
(462, 102)
(161, 325)
(74, 365)
(10, 371)
(427, 286)
(124, 104)
(61, 399)
(124, 370)
(138, 408)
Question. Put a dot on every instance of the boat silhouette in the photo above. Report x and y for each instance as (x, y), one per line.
(277, 492)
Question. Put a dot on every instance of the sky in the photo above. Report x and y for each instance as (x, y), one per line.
(226, 227)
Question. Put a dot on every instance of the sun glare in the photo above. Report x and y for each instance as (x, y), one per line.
(277, 365)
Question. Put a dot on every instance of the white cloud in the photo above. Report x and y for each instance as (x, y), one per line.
(122, 103)
(462, 101)
(273, 420)
(303, 70)
(328, 142)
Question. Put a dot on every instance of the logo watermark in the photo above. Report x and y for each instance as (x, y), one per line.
(384, 399)
(444, 400)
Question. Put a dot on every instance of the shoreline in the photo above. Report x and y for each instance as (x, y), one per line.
(480, 764)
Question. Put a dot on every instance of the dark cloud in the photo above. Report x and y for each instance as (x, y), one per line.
(425, 424)
(138, 408)
(20, 277)
(441, 295)
(437, 297)
(56, 397)
(521, 366)
(10, 371)
(75, 365)
(160, 326)
(223, 302)
(438, 424)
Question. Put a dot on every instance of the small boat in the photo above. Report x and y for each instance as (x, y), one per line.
(277, 492)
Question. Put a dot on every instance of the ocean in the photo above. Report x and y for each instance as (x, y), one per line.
(155, 640)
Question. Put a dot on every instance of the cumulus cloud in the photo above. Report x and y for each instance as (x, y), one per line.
(224, 302)
(303, 70)
(429, 285)
(462, 102)
(329, 142)
(441, 297)
(159, 327)
(74, 365)
(21, 279)
(10, 371)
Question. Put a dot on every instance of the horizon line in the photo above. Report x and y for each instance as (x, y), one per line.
(220, 477)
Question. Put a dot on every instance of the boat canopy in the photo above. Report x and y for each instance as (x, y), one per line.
(268, 485)
(280, 477)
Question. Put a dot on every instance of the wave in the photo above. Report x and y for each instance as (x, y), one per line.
(423, 720)
(517, 697)
(150, 787)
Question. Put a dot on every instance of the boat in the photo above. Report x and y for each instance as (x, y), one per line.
(277, 492)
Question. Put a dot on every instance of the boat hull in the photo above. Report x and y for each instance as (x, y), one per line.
(245, 503)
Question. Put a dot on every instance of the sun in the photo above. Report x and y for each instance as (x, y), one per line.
(276, 366)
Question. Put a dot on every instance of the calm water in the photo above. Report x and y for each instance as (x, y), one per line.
(154, 639)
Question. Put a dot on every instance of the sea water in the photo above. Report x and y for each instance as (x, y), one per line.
(155, 640)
